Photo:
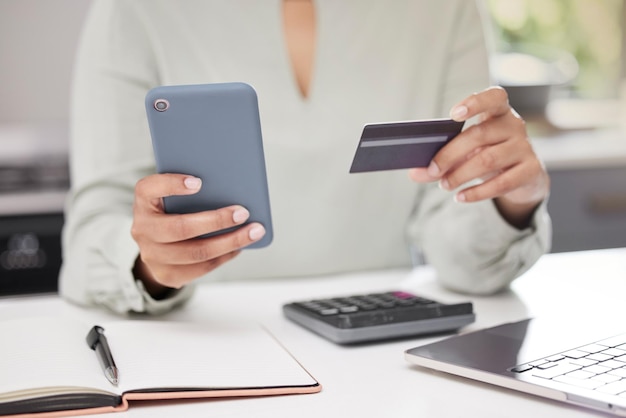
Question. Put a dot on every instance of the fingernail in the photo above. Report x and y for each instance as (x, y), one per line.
(443, 184)
(256, 232)
(458, 112)
(460, 197)
(240, 215)
(433, 169)
(192, 183)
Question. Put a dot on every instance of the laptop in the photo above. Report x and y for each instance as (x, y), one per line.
(541, 357)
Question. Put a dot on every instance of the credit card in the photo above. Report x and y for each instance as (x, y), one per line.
(397, 145)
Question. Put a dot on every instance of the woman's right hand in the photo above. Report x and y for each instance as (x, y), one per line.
(170, 255)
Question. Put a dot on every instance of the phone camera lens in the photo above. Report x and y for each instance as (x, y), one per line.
(161, 105)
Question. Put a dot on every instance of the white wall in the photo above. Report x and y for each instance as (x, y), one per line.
(38, 39)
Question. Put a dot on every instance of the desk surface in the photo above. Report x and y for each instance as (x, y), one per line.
(374, 380)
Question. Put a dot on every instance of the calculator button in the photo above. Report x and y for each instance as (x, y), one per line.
(329, 311)
(405, 302)
(314, 306)
(403, 295)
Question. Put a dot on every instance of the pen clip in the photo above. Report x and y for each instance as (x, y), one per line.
(93, 338)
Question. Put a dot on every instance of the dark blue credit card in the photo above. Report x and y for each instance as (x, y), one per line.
(397, 145)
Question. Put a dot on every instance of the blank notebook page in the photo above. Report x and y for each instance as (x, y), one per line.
(47, 352)
(182, 355)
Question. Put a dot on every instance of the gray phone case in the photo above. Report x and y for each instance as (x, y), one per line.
(212, 131)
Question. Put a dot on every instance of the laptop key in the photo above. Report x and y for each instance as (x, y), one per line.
(581, 383)
(614, 341)
(580, 374)
(593, 348)
(561, 368)
(613, 388)
(575, 354)
(606, 378)
(521, 368)
(611, 364)
(614, 352)
(546, 365)
(599, 357)
(584, 362)
(597, 369)
(621, 372)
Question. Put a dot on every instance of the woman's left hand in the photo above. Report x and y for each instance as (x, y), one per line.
(496, 151)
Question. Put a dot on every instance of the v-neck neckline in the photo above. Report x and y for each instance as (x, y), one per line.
(286, 57)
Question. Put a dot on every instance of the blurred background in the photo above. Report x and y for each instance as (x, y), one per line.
(563, 63)
(549, 53)
(589, 30)
(38, 39)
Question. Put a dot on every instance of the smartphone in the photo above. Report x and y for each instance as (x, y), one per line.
(212, 131)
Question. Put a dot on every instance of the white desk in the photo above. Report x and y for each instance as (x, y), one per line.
(374, 380)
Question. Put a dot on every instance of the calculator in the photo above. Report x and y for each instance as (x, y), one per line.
(378, 316)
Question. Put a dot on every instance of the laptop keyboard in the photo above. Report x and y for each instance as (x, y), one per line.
(600, 366)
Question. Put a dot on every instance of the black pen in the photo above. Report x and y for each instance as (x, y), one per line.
(97, 341)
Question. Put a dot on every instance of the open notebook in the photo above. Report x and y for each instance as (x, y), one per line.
(47, 366)
(584, 366)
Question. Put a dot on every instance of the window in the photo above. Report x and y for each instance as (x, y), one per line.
(589, 30)
(569, 51)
